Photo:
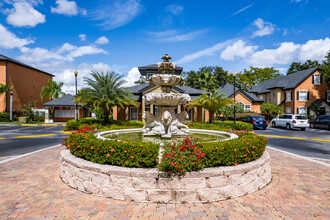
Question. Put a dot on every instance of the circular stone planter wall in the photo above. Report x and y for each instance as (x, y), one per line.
(140, 185)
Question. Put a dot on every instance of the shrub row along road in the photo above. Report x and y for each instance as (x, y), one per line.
(313, 143)
(17, 140)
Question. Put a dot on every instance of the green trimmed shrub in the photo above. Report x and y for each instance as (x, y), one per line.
(221, 126)
(4, 117)
(244, 149)
(84, 144)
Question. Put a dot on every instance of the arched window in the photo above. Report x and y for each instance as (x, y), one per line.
(240, 105)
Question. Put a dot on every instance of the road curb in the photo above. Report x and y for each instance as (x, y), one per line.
(32, 125)
(28, 154)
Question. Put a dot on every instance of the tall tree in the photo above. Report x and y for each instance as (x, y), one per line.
(298, 66)
(254, 76)
(53, 90)
(105, 91)
(212, 101)
(325, 69)
(207, 77)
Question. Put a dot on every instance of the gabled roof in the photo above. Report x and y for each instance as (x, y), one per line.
(154, 68)
(63, 101)
(228, 90)
(290, 81)
(5, 58)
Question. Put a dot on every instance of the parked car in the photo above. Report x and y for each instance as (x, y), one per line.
(322, 121)
(290, 121)
(256, 121)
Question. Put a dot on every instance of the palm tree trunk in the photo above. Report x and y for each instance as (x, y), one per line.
(211, 117)
(106, 115)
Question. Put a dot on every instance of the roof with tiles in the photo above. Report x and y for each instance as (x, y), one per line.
(290, 81)
(228, 89)
(5, 58)
(63, 101)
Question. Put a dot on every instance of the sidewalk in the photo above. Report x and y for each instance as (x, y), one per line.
(30, 188)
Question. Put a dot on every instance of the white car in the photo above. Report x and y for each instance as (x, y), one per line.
(290, 121)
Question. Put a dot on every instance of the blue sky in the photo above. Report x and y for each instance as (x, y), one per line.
(59, 36)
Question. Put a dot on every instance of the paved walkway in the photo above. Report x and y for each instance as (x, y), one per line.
(30, 188)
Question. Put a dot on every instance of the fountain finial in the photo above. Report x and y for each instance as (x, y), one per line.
(166, 58)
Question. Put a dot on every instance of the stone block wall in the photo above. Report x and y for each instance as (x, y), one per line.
(151, 185)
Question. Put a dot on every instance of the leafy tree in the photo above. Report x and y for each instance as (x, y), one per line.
(105, 91)
(5, 88)
(298, 66)
(209, 78)
(270, 110)
(316, 108)
(325, 69)
(212, 101)
(142, 80)
(52, 90)
(229, 110)
(254, 76)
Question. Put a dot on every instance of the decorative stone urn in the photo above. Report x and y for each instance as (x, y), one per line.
(166, 123)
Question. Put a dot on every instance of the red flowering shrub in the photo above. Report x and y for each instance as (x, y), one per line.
(182, 157)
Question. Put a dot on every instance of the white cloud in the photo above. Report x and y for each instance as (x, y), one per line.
(24, 14)
(84, 50)
(65, 7)
(314, 49)
(264, 28)
(176, 36)
(8, 40)
(102, 40)
(174, 9)
(115, 14)
(288, 52)
(132, 76)
(205, 52)
(238, 49)
(66, 75)
(38, 54)
(66, 48)
(82, 37)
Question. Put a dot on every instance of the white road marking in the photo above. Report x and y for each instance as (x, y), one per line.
(276, 129)
(27, 154)
(302, 157)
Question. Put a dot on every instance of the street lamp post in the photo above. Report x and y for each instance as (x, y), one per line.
(76, 74)
(11, 106)
(234, 75)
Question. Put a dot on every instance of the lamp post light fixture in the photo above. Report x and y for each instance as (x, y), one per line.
(76, 74)
(234, 75)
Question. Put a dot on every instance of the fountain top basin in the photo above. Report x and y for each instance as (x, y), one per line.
(166, 99)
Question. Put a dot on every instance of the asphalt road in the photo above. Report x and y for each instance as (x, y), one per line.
(17, 140)
(303, 143)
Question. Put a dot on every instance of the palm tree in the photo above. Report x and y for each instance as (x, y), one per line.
(53, 90)
(105, 91)
(212, 101)
(5, 88)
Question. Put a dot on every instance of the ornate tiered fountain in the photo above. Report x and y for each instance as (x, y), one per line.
(166, 123)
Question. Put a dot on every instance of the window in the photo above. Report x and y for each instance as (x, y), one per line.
(261, 97)
(240, 105)
(288, 96)
(189, 114)
(317, 79)
(288, 110)
(247, 107)
(134, 113)
(302, 96)
(148, 75)
(64, 113)
(328, 95)
(301, 111)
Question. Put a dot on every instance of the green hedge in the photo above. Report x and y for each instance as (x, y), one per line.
(4, 117)
(232, 152)
(84, 144)
(221, 126)
(75, 125)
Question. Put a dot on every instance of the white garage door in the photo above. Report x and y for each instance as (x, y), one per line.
(64, 113)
